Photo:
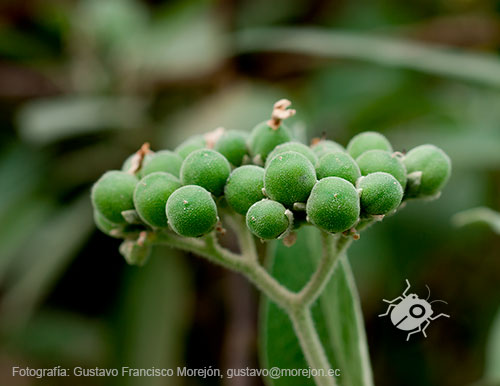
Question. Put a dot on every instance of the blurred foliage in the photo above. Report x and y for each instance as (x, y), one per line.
(84, 83)
(336, 315)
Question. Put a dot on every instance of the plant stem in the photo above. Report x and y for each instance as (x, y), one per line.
(245, 264)
(333, 247)
(312, 348)
(296, 305)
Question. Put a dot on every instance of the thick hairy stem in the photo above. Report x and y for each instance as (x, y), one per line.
(333, 247)
(245, 238)
(296, 305)
(311, 346)
(208, 248)
(269, 286)
(247, 265)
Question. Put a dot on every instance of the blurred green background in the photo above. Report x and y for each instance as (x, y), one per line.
(84, 83)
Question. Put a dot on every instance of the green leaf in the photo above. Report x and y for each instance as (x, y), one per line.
(187, 41)
(111, 21)
(337, 314)
(478, 215)
(46, 120)
(52, 336)
(492, 371)
(156, 315)
(42, 261)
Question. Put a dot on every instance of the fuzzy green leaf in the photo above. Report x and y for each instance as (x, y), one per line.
(337, 314)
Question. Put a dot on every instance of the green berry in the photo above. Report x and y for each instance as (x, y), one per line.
(151, 195)
(104, 225)
(435, 166)
(326, 146)
(116, 230)
(373, 161)
(333, 205)
(263, 139)
(191, 144)
(267, 219)
(112, 194)
(244, 188)
(127, 164)
(191, 211)
(233, 146)
(338, 164)
(162, 161)
(289, 178)
(206, 168)
(381, 193)
(293, 146)
(369, 140)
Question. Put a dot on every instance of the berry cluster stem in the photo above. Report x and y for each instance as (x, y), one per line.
(333, 247)
(296, 304)
(312, 348)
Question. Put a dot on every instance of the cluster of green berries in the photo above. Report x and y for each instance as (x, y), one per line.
(277, 183)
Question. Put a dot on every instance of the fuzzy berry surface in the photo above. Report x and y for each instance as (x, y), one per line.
(263, 139)
(326, 146)
(113, 193)
(151, 195)
(338, 164)
(368, 140)
(162, 161)
(435, 166)
(206, 168)
(289, 178)
(298, 147)
(191, 211)
(244, 187)
(381, 193)
(189, 145)
(233, 145)
(382, 161)
(333, 205)
(267, 219)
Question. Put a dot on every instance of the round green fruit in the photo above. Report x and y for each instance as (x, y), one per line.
(373, 161)
(151, 195)
(104, 225)
(233, 146)
(338, 164)
(127, 164)
(263, 139)
(191, 211)
(289, 178)
(161, 161)
(191, 144)
(381, 193)
(293, 146)
(244, 188)
(326, 146)
(368, 140)
(333, 205)
(435, 167)
(206, 168)
(112, 194)
(267, 219)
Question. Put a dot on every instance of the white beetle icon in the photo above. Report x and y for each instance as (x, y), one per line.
(412, 313)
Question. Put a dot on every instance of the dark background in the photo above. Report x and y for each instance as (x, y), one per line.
(84, 83)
